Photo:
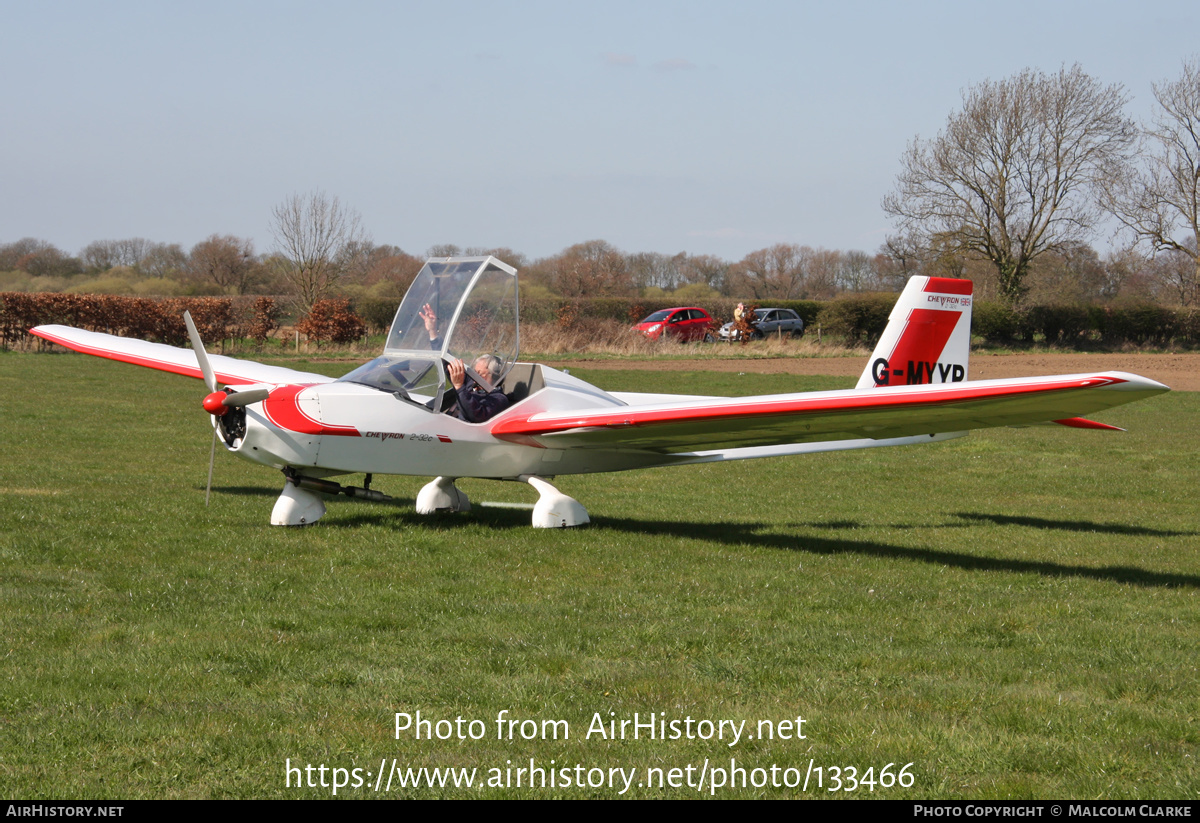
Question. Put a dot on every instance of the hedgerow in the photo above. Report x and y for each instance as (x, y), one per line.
(856, 319)
(161, 319)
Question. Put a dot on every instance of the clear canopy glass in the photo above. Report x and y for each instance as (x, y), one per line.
(457, 307)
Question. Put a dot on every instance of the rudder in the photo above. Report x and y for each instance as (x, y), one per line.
(928, 336)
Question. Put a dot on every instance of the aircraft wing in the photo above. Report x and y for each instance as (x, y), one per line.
(229, 370)
(859, 414)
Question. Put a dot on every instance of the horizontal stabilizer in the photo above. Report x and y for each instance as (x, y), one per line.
(1082, 423)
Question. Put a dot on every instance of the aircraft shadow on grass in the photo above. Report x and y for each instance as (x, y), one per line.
(745, 533)
(241, 491)
(971, 519)
(263, 491)
(1072, 525)
(742, 534)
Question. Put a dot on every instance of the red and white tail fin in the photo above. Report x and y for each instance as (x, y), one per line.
(928, 336)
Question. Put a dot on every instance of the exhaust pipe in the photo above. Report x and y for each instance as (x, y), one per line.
(329, 487)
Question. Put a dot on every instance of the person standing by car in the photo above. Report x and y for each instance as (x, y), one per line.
(743, 322)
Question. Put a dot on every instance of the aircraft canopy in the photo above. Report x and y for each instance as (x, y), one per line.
(475, 302)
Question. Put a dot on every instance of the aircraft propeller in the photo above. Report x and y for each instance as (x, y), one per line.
(218, 402)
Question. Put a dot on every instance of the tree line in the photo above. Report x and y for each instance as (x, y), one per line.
(1009, 194)
(227, 265)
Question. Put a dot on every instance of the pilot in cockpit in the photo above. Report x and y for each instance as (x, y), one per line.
(475, 403)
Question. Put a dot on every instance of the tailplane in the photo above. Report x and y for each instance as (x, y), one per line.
(928, 336)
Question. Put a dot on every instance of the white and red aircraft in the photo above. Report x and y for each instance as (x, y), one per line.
(386, 417)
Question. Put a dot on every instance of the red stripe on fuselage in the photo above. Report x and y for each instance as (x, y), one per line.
(282, 408)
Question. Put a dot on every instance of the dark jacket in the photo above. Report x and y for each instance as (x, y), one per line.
(476, 405)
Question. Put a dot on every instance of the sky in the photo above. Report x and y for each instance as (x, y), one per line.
(706, 127)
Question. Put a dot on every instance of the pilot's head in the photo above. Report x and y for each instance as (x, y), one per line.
(488, 367)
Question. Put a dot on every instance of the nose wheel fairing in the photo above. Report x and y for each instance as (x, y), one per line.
(297, 507)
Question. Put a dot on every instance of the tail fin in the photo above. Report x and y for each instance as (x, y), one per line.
(928, 336)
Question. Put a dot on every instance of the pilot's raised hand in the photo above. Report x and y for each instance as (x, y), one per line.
(458, 373)
(430, 317)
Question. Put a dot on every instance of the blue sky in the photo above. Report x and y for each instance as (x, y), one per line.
(706, 127)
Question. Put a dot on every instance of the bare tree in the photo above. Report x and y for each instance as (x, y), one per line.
(785, 271)
(165, 260)
(443, 250)
(502, 253)
(651, 268)
(385, 270)
(822, 266)
(226, 261)
(778, 271)
(708, 269)
(1173, 274)
(1159, 200)
(856, 272)
(592, 269)
(1013, 174)
(355, 259)
(12, 254)
(38, 258)
(905, 253)
(1124, 273)
(102, 255)
(1074, 274)
(313, 235)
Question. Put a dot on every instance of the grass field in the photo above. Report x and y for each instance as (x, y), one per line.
(1015, 613)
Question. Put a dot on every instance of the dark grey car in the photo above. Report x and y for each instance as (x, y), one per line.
(768, 321)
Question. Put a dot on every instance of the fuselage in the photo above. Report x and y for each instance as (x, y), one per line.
(344, 427)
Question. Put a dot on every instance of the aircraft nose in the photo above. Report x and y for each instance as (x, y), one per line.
(214, 403)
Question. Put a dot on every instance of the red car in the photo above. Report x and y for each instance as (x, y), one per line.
(684, 324)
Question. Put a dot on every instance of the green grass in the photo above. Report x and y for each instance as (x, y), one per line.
(1014, 613)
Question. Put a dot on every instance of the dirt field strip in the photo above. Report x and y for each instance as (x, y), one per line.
(1179, 371)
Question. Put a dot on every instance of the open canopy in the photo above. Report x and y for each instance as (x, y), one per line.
(474, 301)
